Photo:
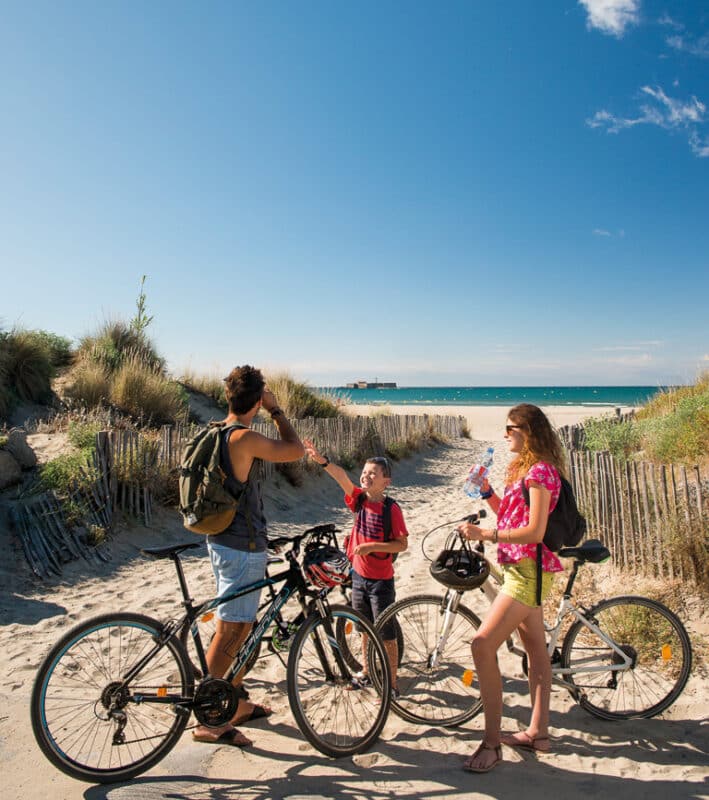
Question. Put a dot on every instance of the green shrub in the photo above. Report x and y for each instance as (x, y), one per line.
(683, 434)
(82, 434)
(63, 472)
(146, 394)
(58, 347)
(620, 437)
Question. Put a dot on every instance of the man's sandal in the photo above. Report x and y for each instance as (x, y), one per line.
(467, 764)
(522, 740)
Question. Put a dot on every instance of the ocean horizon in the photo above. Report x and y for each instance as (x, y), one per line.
(610, 396)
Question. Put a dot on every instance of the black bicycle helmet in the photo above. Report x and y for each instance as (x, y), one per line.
(326, 567)
(460, 568)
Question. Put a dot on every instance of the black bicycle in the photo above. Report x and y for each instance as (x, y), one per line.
(115, 693)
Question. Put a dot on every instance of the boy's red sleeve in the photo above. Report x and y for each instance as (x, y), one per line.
(398, 526)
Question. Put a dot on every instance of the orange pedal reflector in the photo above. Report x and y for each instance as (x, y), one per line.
(206, 617)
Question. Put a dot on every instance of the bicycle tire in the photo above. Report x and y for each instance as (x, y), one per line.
(651, 635)
(337, 718)
(70, 698)
(441, 695)
(349, 639)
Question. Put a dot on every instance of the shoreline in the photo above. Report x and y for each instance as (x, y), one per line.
(487, 423)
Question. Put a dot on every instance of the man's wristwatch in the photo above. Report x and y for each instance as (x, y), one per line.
(325, 463)
(488, 494)
(276, 412)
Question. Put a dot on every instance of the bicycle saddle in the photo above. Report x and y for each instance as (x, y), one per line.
(592, 550)
(166, 552)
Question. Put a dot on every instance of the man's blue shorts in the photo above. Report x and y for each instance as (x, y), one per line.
(371, 597)
(234, 569)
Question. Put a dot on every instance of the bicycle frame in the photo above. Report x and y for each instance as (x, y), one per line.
(566, 606)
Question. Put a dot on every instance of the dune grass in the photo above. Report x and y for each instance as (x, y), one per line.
(29, 359)
(672, 427)
(298, 400)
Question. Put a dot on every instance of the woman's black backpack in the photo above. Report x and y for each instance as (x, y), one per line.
(566, 526)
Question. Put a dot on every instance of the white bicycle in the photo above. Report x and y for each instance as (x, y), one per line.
(624, 658)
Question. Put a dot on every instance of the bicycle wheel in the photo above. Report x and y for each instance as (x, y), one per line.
(435, 677)
(654, 640)
(334, 717)
(349, 637)
(87, 722)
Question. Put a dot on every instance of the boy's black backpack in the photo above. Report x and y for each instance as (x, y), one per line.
(206, 505)
(387, 503)
(566, 526)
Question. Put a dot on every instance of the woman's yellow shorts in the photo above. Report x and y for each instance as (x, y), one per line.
(520, 581)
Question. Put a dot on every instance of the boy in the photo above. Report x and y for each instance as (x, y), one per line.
(371, 556)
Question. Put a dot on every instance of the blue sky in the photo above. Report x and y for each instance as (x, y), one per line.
(506, 193)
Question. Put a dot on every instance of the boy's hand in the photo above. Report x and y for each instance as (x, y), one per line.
(365, 549)
(312, 452)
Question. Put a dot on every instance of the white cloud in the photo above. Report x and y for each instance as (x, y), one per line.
(629, 347)
(686, 44)
(666, 112)
(612, 16)
(667, 20)
(601, 232)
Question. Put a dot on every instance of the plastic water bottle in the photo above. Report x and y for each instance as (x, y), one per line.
(478, 473)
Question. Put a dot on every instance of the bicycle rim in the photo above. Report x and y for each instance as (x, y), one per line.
(651, 636)
(435, 691)
(77, 684)
(335, 718)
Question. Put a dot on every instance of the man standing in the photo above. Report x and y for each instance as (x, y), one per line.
(239, 554)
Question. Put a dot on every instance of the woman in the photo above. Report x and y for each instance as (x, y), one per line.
(538, 461)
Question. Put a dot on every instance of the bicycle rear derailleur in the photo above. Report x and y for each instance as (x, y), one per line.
(215, 702)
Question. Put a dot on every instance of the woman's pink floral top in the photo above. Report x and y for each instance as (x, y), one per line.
(514, 513)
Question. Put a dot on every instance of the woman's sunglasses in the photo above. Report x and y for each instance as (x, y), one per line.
(510, 428)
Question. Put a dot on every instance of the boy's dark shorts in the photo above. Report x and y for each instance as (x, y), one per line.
(371, 597)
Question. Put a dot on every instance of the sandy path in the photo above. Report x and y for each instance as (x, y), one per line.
(653, 759)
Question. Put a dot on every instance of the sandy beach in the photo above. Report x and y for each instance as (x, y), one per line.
(487, 423)
(656, 759)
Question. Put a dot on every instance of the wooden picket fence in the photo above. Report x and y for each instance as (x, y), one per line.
(653, 517)
(340, 437)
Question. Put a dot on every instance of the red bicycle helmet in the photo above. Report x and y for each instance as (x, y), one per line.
(326, 567)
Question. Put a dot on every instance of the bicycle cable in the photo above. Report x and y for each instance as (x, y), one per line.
(473, 518)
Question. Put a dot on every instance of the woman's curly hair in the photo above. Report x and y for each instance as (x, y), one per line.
(541, 442)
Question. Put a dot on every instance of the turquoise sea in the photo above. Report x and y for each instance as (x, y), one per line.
(500, 395)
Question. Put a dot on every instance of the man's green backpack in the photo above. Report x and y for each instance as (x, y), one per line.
(205, 503)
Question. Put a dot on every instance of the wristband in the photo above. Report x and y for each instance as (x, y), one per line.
(325, 463)
(494, 536)
(276, 412)
(488, 494)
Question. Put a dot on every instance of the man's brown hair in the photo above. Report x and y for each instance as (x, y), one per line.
(243, 388)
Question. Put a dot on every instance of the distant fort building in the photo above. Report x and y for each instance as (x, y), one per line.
(375, 385)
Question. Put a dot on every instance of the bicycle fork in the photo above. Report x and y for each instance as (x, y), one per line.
(450, 604)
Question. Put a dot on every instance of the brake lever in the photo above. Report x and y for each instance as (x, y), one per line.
(476, 516)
